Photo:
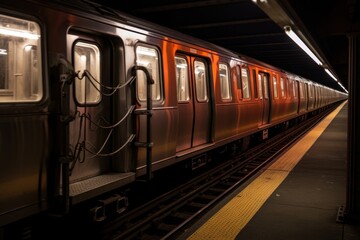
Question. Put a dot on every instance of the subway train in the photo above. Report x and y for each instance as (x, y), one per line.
(92, 100)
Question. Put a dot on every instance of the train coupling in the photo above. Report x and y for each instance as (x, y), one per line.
(115, 204)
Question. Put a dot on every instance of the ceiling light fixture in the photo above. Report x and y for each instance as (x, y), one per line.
(18, 33)
(301, 44)
(330, 74)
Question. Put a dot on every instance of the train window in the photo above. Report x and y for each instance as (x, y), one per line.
(200, 81)
(266, 89)
(20, 60)
(282, 87)
(149, 58)
(295, 86)
(255, 84)
(225, 88)
(182, 79)
(290, 88)
(87, 57)
(260, 87)
(301, 89)
(275, 87)
(245, 83)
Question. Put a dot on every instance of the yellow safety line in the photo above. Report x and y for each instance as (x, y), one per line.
(233, 217)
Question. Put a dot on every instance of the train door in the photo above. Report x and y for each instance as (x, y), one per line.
(185, 102)
(263, 79)
(201, 101)
(90, 134)
(194, 103)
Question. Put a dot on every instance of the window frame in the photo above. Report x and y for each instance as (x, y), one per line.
(275, 86)
(206, 84)
(42, 83)
(160, 81)
(228, 88)
(283, 87)
(188, 79)
(94, 43)
(246, 69)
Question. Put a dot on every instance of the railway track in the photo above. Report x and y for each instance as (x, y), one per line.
(168, 215)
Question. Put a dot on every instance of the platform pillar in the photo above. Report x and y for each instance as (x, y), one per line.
(353, 181)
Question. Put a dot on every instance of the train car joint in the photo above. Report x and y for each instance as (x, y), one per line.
(115, 204)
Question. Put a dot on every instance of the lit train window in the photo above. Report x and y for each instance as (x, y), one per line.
(290, 88)
(245, 83)
(182, 79)
(282, 87)
(200, 81)
(275, 87)
(260, 87)
(87, 57)
(20, 60)
(266, 89)
(149, 58)
(301, 90)
(295, 86)
(224, 82)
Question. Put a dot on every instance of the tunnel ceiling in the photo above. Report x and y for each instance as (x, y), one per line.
(256, 29)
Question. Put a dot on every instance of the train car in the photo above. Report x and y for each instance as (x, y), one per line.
(92, 100)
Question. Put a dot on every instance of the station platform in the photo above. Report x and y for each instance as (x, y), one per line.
(297, 197)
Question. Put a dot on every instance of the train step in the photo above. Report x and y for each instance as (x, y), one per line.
(88, 188)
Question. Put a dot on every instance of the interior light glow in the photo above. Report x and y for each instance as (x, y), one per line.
(142, 63)
(3, 51)
(181, 66)
(330, 74)
(146, 53)
(28, 48)
(301, 44)
(17, 33)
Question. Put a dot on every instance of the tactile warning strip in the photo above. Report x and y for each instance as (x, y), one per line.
(229, 220)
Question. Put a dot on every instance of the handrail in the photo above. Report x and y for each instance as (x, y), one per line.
(148, 144)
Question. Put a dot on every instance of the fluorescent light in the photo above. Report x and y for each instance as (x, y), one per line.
(16, 33)
(28, 48)
(3, 51)
(301, 44)
(330, 74)
(342, 87)
(333, 77)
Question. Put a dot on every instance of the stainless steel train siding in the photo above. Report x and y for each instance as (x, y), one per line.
(91, 99)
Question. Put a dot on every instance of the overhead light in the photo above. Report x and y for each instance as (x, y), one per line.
(3, 51)
(301, 44)
(261, 1)
(333, 77)
(16, 33)
(330, 74)
(343, 87)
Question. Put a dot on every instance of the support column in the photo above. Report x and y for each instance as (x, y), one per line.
(353, 181)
